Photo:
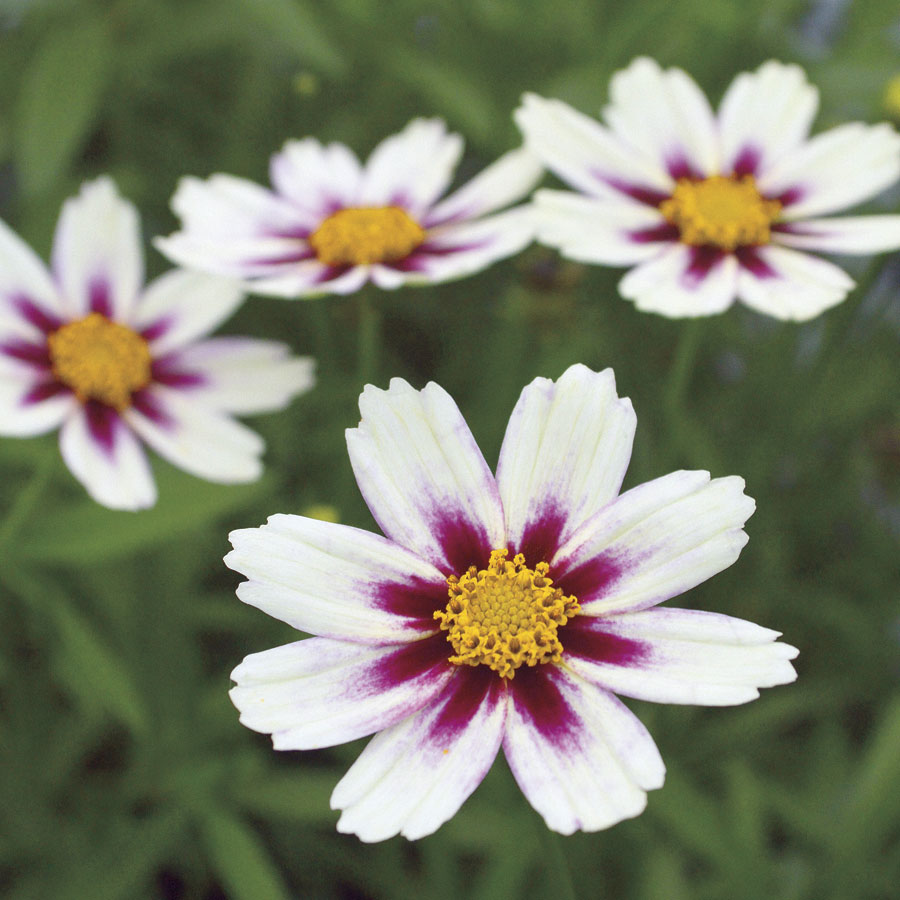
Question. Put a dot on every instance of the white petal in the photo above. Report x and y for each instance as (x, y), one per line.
(665, 116)
(765, 114)
(563, 458)
(318, 692)
(792, 285)
(503, 182)
(424, 478)
(315, 177)
(678, 656)
(598, 231)
(199, 440)
(674, 285)
(22, 414)
(244, 375)
(581, 758)
(180, 306)
(655, 542)
(836, 169)
(850, 234)
(583, 153)
(309, 278)
(413, 168)
(336, 581)
(413, 777)
(103, 454)
(22, 274)
(98, 259)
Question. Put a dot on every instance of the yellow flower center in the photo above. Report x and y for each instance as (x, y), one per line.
(100, 360)
(723, 211)
(366, 234)
(505, 615)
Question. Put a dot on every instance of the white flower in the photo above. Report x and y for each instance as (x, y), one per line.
(449, 644)
(709, 207)
(332, 224)
(88, 349)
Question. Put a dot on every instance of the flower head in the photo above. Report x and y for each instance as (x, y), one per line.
(88, 349)
(498, 611)
(708, 207)
(331, 223)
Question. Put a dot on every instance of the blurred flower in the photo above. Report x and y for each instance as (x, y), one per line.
(332, 224)
(87, 348)
(710, 207)
(501, 611)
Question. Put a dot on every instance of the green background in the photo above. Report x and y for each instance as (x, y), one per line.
(124, 772)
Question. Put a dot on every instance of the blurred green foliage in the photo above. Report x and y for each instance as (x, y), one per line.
(125, 773)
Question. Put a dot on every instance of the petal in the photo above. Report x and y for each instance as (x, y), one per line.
(318, 692)
(413, 168)
(683, 281)
(654, 542)
(244, 375)
(424, 478)
(336, 581)
(787, 284)
(28, 409)
(563, 458)
(583, 153)
(413, 777)
(98, 259)
(600, 231)
(103, 454)
(665, 116)
(199, 440)
(850, 234)
(834, 170)
(678, 656)
(764, 115)
(316, 178)
(23, 275)
(503, 182)
(309, 278)
(582, 759)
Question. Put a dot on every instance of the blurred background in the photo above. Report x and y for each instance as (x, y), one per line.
(124, 772)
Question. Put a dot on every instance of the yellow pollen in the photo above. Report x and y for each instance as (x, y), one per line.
(361, 235)
(726, 212)
(100, 360)
(505, 616)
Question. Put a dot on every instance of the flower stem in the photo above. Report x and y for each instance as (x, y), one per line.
(682, 367)
(369, 336)
(28, 496)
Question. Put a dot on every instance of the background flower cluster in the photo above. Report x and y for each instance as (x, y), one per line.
(125, 771)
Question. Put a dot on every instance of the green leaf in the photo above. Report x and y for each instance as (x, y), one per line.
(298, 798)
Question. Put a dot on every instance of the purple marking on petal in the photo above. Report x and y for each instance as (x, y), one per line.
(591, 579)
(791, 195)
(703, 260)
(584, 637)
(679, 166)
(539, 700)
(301, 254)
(329, 273)
(417, 599)
(750, 259)
(38, 317)
(540, 537)
(44, 391)
(650, 196)
(99, 297)
(464, 694)
(146, 404)
(665, 232)
(157, 329)
(464, 543)
(747, 161)
(410, 661)
(166, 371)
(102, 421)
(34, 354)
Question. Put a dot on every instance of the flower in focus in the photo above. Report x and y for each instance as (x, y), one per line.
(503, 611)
(89, 349)
(709, 207)
(331, 224)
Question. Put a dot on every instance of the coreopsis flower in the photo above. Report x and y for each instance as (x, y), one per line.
(88, 348)
(708, 207)
(331, 224)
(497, 611)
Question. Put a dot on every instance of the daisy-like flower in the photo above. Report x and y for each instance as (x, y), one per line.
(503, 611)
(88, 349)
(332, 224)
(712, 207)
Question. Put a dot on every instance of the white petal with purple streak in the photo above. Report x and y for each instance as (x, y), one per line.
(24, 410)
(316, 178)
(23, 275)
(848, 234)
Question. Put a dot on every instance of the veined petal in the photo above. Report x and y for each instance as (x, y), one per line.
(337, 581)
(678, 656)
(563, 458)
(310, 278)
(318, 692)
(317, 178)
(424, 478)
(654, 542)
(103, 454)
(791, 285)
(764, 115)
(582, 759)
(414, 776)
(848, 234)
(30, 406)
(23, 275)
(503, 182)
(98, 259)
(413, 168)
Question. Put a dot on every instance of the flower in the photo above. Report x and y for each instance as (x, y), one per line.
(89, 349)
(709, 207)
(497, 611)
(332, 224)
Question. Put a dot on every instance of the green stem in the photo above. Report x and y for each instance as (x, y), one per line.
(28, 496)
(559, 878)
(682, 367)
(369, 335)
